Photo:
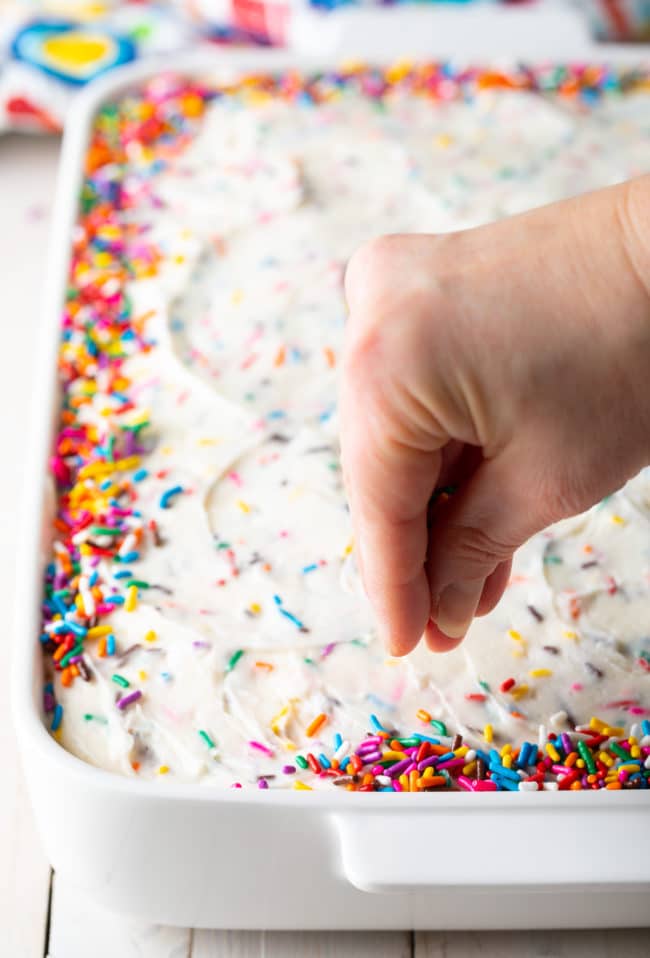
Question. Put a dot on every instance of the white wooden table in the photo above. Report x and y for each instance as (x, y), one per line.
(39, 916)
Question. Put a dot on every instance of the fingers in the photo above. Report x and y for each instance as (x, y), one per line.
(472, 541)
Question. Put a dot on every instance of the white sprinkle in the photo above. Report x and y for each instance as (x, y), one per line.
(341, 751)
(528, 787)
(558, 720)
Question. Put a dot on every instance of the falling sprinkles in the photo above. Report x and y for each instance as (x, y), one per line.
(107, 490)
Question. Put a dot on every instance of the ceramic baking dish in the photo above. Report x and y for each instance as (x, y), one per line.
(202, 857)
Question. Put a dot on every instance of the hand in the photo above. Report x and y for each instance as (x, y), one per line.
(510, 361)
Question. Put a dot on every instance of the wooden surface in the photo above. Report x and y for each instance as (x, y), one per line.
(41, 917)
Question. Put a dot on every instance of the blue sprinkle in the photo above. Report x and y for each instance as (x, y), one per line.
(507, 783)
(123, 574)
(129, 557)
(166, 676)
(310, 568)
(59, 605)
(79, 630)
(49, 688)
(115, 600)
(276, 414)
(338, 741)
(140, 475)
(110, 645)
(645, 725)
(425, 738)
(371, 697)
(44, 637)
(56, 718)
(165, 499)
(94, 576)
(376, 724)
(448, 756)
(325, 762)
(106, 484)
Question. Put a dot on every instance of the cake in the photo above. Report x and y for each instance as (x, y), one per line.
(204, 620)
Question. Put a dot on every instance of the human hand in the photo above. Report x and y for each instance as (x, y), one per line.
(510, 361)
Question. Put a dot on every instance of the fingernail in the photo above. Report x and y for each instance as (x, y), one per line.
(457, 606)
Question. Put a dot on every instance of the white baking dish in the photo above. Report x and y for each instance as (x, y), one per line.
(284, 859)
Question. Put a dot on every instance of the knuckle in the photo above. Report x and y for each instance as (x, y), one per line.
(476, 549)
(369, 268)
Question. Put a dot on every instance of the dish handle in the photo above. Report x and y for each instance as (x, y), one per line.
(585, 845)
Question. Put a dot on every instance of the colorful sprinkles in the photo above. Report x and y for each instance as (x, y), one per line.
(100, 452)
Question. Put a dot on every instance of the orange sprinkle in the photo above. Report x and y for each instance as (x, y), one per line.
(330, 357)
(423, 715)
(264, 665)
(135, 766)
(60, 652)
(66, 677)
(280, 357)
(101, 647)
(317, 723)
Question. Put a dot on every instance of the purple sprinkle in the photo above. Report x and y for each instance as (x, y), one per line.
(329, 648)
(129, 699)
(567, 744)
(198, 644)
(48, 702)
(411, 767)
(288, 769)
(368, 757)
(262, 783)
(398, 768)
(452, 763)
(426, 762)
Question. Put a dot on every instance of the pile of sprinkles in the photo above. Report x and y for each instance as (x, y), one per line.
(101, 449)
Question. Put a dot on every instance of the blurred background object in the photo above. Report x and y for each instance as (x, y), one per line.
(49, 48)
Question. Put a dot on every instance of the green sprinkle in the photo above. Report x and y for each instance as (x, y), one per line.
(223, 545)
(302, 762)
(206, 738)
(309, 661)
(120, 680)
(61, 593)
(587, 757)
(360, 643)
(618, 750)
(105, 531)
(552, 560)
(484, 685)
(77, 650)
(89, 717)
(409, 742)
(138, 583)
(439, 726)
(234, 659)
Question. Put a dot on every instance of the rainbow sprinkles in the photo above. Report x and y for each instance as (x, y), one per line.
(203, 619)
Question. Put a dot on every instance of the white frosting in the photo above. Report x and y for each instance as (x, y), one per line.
(259, 216)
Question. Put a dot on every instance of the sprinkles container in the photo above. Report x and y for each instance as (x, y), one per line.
(296, 858)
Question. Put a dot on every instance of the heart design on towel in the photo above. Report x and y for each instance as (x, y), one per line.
(70, 52)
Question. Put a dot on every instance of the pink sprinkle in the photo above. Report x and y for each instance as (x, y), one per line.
(262, 748)
(577, 687)
(467, 783)
(236, 478)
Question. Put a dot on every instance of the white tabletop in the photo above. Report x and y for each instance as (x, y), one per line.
(38, 915)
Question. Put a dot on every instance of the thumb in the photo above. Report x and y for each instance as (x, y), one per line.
(472, 539)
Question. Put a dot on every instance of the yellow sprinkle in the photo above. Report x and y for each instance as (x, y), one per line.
(404, 782)
(619, 520)
(390, 753)
(237, 296)
(569, 634)
(150, 636)
(142, 676)
(95, 469)
(628, 768)
(520, 692)
(97, 631)
(243, 505)
(131, 603)
(540, 673)
(167, 450)
(613, 730)
(635, 751)
(515, 635)
(301, 787)
(443, 140)
(606, 759)
(462, 751)
(488, 733)
(580, 763)
(349, 547)
(428, 772)
(391, 661)
(469, 769)
(506, 749)
(552, 751)
(506, 761)
(597, 724)
(208, 442)
(163, 769)
(255, 608)
(179, 259)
